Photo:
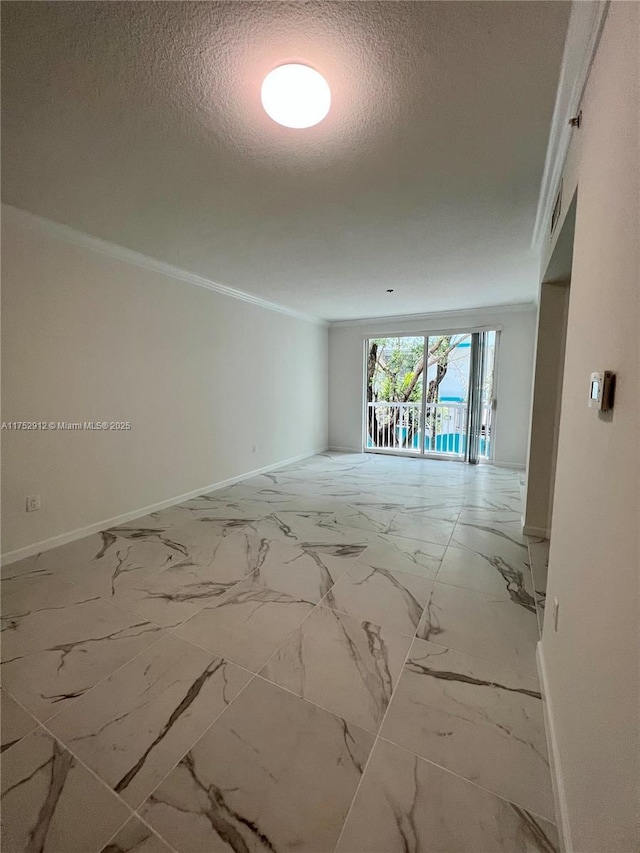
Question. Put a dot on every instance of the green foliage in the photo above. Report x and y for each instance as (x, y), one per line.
(398, 366)
(395, 369)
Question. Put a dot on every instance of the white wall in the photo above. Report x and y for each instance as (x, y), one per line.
(201, 376)
(592, 661)
(515, 371)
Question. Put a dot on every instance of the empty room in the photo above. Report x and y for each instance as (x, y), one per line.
(320, 426)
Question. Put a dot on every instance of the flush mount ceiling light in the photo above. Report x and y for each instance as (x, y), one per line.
(296, 96)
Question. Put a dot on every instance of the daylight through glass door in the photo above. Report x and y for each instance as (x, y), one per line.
(430, 394)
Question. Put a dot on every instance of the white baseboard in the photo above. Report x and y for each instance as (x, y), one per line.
(64, 538)
(557, 779)
(540, 532)
(337, 449)
(519, 466)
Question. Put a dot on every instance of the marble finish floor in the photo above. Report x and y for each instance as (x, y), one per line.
(336, 656)
(539, 561)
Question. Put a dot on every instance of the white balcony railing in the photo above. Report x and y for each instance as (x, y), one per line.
(396, 426)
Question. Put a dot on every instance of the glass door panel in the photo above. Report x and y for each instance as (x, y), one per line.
(394, 394)
(481, 400)
(447, 394)
(487, 396)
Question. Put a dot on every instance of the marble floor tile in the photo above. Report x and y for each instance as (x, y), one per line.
(123, 560)
(274, 773)
(376, 483)
(490, 573)
(492, 627)
(366, 498)
(539, 559)
(294, 527)
(210, 501)
(212, 506)
(237, 491)
(58, 559)
(336, 491)
(34, 566)
(394, 600)
(439, 505)
(375, 517)
(177, 593)
(52, 670)
(421, 527)
(137, 647)
(173, 596)
(181, 541)
(504, 541)
(291, 492)
(394, 490)
(51, 803)
(247, 624)
(494, 495)
(134, 726)
(408, 804)
(245, 509)
(441, 490)
(179, 514)
(304, 573)
(341, 663)
(136, 837)
(482, 721)
(456, 481)
(274, 500)
(397, 554)
(308, 530)
(15, 721)
(506, 525)
(485, 500)
(32, 604)
(273, 479)
(498, 518)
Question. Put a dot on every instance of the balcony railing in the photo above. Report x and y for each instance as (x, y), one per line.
(396, 426)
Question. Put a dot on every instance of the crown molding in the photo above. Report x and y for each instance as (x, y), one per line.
(440, 316)
(95, 244)
(583, 35)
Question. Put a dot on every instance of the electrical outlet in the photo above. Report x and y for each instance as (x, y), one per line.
(556, 609)
(33, 503)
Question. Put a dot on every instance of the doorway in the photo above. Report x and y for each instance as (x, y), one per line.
(431, 395)
(546, 406)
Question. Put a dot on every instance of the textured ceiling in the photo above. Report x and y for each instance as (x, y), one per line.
(141, 123)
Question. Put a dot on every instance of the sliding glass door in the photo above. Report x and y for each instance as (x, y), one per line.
(395, 394)
(430, 394)
(481, 403)
(447, 394)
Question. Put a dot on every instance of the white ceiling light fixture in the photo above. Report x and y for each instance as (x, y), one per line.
(296, 96)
